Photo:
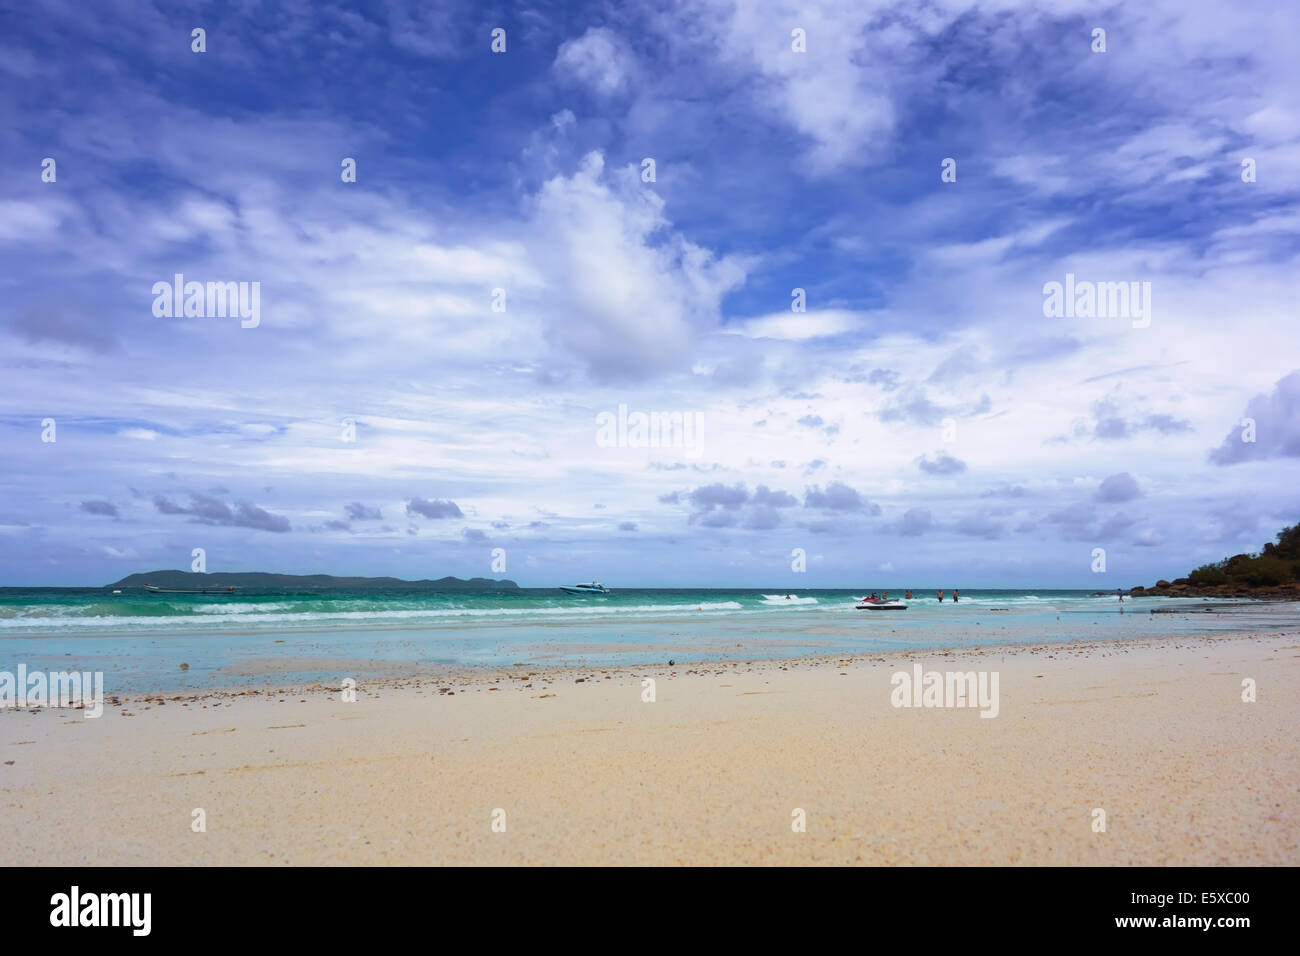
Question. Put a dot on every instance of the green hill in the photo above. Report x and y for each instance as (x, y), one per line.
(263, 581)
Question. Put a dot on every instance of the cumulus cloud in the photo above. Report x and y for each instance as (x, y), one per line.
(1148, 538)
(837, 497)
(718, 495)
(767, 498)
(722, 506)
(436, 508)
(716, 519)
(915, 521)
(1080, 522)
(1276, 426)
(1109, 422)
(598, 59)
(1166, 424)
(96, 507)
(356, 511)
(1115, 526)
(844, 112)
(914, 406)
(763, 511)
(1119, 487)
(943, 464)
(1234, 523)
(761, 518)
(634, 293)
(205, 509)
(887, 379)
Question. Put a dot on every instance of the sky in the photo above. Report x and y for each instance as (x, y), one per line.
(822, 233)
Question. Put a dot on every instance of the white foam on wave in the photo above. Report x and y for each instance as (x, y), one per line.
(325, 617)
(220, 609)
(783, 600)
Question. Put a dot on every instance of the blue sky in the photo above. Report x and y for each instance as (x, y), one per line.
(922, 423)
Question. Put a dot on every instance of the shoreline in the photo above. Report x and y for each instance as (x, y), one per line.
(1153, 731)
(761, 649)
(469, 675)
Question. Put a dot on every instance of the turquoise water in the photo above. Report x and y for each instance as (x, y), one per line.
(139, 640)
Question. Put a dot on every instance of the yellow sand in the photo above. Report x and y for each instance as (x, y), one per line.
(1156, 734)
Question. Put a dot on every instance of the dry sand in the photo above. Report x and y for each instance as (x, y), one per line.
(1153, 732)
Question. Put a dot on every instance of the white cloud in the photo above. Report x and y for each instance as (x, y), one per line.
(829, 93)
(24, 221)
(598, 59)
(625, 293)
(800, 326)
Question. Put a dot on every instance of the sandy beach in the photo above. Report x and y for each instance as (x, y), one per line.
(1153, 732)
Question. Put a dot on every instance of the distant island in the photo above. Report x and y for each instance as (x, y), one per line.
(261, 580)
(1272, 573)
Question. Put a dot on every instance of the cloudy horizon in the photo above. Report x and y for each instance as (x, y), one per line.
(823, 236)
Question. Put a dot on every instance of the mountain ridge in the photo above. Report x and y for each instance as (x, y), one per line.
(269, 579)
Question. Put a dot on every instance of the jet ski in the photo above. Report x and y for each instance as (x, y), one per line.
(878, 604)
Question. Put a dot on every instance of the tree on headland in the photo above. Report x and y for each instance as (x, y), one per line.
(1276, 565)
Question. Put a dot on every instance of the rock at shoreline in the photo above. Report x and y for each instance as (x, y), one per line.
(1272, 574)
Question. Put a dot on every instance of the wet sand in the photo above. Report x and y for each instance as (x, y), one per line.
(1153, 732)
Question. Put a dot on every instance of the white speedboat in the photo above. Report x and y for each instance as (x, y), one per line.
(595, 587)
(150, 589)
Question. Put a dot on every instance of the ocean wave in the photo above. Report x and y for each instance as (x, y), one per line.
(242, 615)
(1001, 601)
(238, 608)
(784, 601)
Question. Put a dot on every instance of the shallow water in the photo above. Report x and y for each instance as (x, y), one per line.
(139, 641)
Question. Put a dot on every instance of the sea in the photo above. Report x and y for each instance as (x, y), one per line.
(140, 641)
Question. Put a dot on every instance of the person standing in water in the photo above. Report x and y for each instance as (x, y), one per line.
(940, 597)
(955, 599)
